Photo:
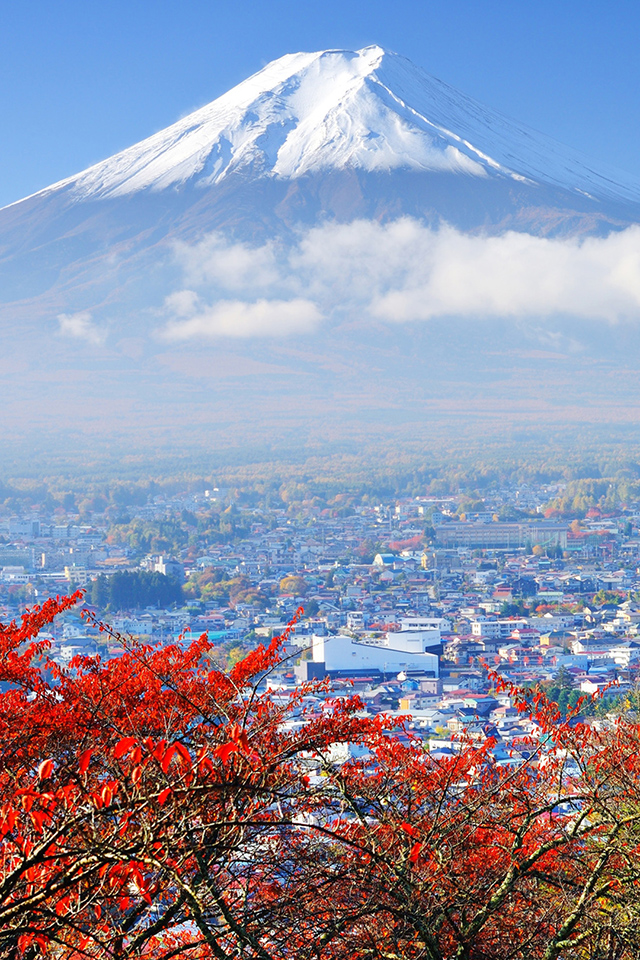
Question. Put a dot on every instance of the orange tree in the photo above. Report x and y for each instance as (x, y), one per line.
(154, 806)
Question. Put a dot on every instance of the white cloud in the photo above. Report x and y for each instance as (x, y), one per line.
(235, 318)
(81, 327)
(520, 276)
(400, 272)
(235, 266)
(183, 303)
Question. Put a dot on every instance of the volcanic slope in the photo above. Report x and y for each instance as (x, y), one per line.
(335, 134)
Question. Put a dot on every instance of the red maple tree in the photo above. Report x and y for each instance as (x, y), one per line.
(153, 805)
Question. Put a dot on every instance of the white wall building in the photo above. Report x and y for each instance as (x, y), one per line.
(548, 622)
(392, 654)
(495, 629)
(355, 620)
(14, 575)
(19, 527)
(625, 653)
(170, 567)
(426, 623)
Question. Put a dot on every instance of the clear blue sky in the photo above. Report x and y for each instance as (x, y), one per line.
(81, 79)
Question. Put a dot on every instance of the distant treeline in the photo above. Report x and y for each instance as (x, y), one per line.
(600, 473)
(127, 590)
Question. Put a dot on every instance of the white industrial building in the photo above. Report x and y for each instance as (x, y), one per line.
(405, 651)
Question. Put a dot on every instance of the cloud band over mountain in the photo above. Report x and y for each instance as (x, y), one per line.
(402, 271)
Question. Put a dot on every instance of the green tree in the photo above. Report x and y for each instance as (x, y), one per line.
(606, 597)
(130, 589)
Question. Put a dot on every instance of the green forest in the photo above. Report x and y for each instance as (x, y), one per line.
(126, 590)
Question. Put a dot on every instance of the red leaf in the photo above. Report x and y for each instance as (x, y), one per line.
(106, 796)
(123, 747)
(162, 796)
(167, 758)
(206, 765)
(10, 818)
(160, 749)
(410, 829)
(415, 852)
(45, 769)
(225, 750)
(62, 906)
(37, 820)
(184, 753)
(85, 759)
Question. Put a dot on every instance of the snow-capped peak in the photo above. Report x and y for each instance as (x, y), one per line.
(369, 109)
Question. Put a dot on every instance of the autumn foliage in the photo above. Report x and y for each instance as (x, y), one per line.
(155, 806)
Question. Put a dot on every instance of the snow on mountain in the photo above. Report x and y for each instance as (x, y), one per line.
(367, 110)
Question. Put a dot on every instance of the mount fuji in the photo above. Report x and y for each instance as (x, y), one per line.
(313, 142)
(371, 111)
(335, 134)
